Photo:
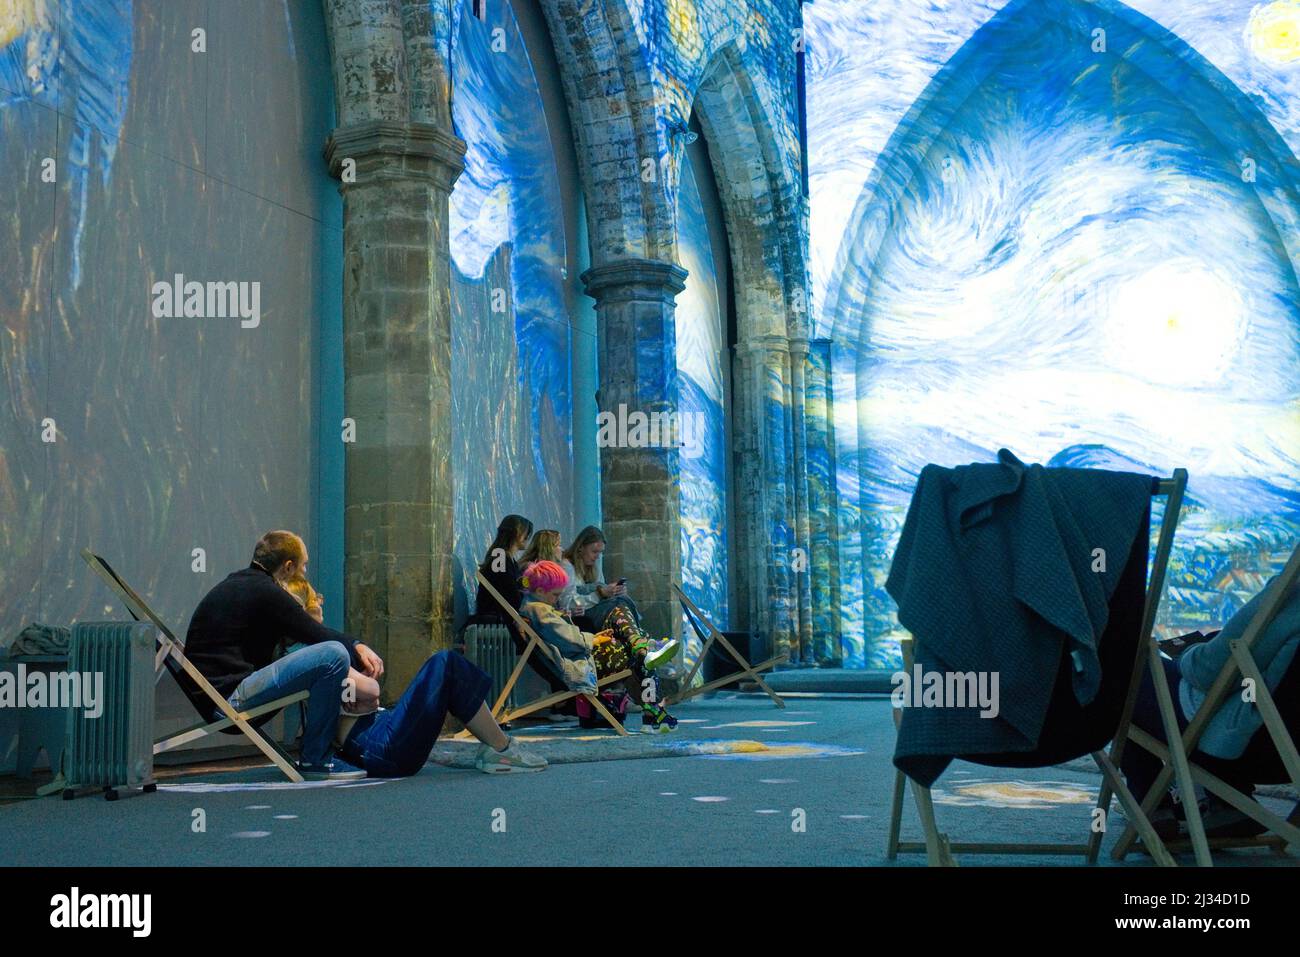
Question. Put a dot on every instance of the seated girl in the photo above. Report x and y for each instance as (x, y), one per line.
(583, 658)
(360, 692)
(587, 597)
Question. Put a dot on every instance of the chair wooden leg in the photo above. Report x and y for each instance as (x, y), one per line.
(1277, 729)
(938, 852)
(688, 692)
(1287, 830)
(716, 635)
(599, 707)
(1182, 771)
(1133, 811)
(895, 816)
(514, 676)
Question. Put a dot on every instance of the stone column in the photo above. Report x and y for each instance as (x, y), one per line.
(397, 388)
(823, 505)
(800, 578)
(762, 478)
(640, 495)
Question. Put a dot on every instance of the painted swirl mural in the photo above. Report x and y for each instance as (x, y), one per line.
(1076, 236)
(131, 160)
(701, 346)
(511, 398)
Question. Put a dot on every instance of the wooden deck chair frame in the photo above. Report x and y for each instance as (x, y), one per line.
(549, 700)
(170, 646)
(1175, 755)
(752, 672)
(939, 850)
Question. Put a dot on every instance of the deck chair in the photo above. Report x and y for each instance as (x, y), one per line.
(752, 672)
(197, 689)
(549, 700)
(1269, 758)
(1115, 700)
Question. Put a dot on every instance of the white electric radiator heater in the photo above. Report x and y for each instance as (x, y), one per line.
(113, 750)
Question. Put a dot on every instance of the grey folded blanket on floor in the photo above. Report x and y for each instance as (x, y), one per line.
(38, 639)
(994, 572)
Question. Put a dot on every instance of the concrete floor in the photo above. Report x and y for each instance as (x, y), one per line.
(611, 801)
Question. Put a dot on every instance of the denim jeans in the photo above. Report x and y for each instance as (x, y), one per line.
(396, 743)
(317, 669)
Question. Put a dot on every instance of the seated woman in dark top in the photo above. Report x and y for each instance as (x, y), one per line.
(501, 568)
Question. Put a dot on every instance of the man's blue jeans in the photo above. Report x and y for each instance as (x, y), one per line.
(318, 669)
(396, 743)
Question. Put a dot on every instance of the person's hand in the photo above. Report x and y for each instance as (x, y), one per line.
(372, 666)
(360, 694)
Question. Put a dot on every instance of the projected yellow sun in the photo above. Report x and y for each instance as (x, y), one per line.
(1273, 32)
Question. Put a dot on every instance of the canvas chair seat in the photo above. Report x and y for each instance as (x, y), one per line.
(203, 706)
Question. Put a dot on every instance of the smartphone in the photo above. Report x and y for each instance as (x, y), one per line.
(621, 581)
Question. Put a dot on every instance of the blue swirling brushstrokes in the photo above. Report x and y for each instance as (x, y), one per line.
(700, 347)
(1057, 251)
(82, 66)
(511, 404)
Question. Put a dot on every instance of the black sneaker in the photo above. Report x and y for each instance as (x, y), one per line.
(1224, 820)
(657, 721)
(335, 769)
(1165, 822)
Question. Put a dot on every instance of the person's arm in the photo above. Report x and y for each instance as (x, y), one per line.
(577, 597)
(551, 627)
(292, 621)
(1201, 664)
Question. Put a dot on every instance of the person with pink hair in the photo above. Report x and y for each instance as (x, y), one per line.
(583, 658)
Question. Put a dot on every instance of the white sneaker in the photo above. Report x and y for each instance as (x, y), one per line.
(660, 653)
(512, 759)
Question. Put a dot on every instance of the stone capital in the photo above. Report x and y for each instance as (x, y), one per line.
(635, 280)
(768, 344)
(384, 149)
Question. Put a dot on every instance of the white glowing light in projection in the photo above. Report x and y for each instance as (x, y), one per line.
(1174, 324)
(1273, 32)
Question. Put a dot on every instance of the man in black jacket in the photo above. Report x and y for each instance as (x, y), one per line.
(233, 635)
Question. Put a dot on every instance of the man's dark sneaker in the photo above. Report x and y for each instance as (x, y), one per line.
(335, 769)
(1224, 820)
(1165, 822)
